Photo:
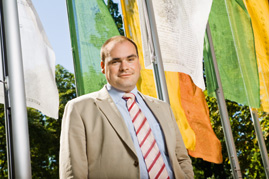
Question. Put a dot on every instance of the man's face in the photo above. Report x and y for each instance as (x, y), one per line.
(121, 66)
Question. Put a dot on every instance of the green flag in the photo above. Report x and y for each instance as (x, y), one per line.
(233, 41)
(90, 26)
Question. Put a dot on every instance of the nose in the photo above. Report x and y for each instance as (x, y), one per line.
(124, 65)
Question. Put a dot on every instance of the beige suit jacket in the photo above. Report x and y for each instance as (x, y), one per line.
(95, 141)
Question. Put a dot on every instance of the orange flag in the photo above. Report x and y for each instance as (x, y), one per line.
(208, 147)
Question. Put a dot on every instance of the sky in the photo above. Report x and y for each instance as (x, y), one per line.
(53, 15)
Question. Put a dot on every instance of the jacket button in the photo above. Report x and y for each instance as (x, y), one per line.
(136, 163)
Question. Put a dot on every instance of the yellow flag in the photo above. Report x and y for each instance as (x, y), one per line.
(146, 83)
(259, 14)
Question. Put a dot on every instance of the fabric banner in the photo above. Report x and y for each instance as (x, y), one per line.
(208, 146)
(233, 41)
(90, 26)
(38, 63)
(146, 83)
(181, 27)
(259, 14)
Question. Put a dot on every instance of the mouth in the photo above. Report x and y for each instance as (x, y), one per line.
(125, 75)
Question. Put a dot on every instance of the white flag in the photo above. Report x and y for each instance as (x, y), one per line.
(38, 62)
(181, 28)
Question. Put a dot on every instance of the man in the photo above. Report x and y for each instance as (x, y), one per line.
(101, 137)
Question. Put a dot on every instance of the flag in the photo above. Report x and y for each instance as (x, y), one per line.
(208, 146)
(38, 62)
(181, 28)
(259, 14)
(90, 26)
(233, 42)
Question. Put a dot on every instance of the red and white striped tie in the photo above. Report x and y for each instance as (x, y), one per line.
(151, 153)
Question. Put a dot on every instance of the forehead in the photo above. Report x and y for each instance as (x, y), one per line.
(120, 48)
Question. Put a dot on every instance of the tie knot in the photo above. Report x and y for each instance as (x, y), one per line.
(128, 96)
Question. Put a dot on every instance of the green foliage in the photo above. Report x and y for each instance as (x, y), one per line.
(3, 156)
(66, 87)
(245, 142)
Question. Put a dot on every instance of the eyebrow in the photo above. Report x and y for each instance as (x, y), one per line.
(133, 55)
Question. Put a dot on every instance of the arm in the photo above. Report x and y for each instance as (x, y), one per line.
(73, 159)
(183, 158)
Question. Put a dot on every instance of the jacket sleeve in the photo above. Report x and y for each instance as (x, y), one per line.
(73, 159)
(183, 158)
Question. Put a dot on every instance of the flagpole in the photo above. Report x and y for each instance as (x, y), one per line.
(10, 158)
(19, 121)
(261, 142)
(158, 68)
(224, 114)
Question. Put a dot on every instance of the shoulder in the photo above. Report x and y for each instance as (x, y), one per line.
(83, 98)
(89, 98)
(152, 99)
(154, 102)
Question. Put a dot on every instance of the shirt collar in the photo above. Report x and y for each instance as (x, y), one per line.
(116, 94)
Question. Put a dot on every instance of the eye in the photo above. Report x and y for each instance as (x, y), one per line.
(115, 61)
(131, 58)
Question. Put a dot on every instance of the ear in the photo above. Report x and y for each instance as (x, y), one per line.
(102, 67)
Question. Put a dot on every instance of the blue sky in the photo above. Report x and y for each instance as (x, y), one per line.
(53, 15)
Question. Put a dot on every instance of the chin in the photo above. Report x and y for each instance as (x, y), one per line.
(126, 88)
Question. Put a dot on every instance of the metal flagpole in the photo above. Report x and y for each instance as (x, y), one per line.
(224, 115)
(19, 122)
(261, 142)
(6, 101)
(157, 63)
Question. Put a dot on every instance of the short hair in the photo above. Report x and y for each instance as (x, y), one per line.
(116, 39)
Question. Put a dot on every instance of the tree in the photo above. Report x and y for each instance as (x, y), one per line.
(3, 156)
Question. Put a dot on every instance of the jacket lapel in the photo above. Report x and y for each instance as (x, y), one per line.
(110, 110)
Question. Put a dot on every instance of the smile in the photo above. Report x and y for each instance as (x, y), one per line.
(124, 75)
